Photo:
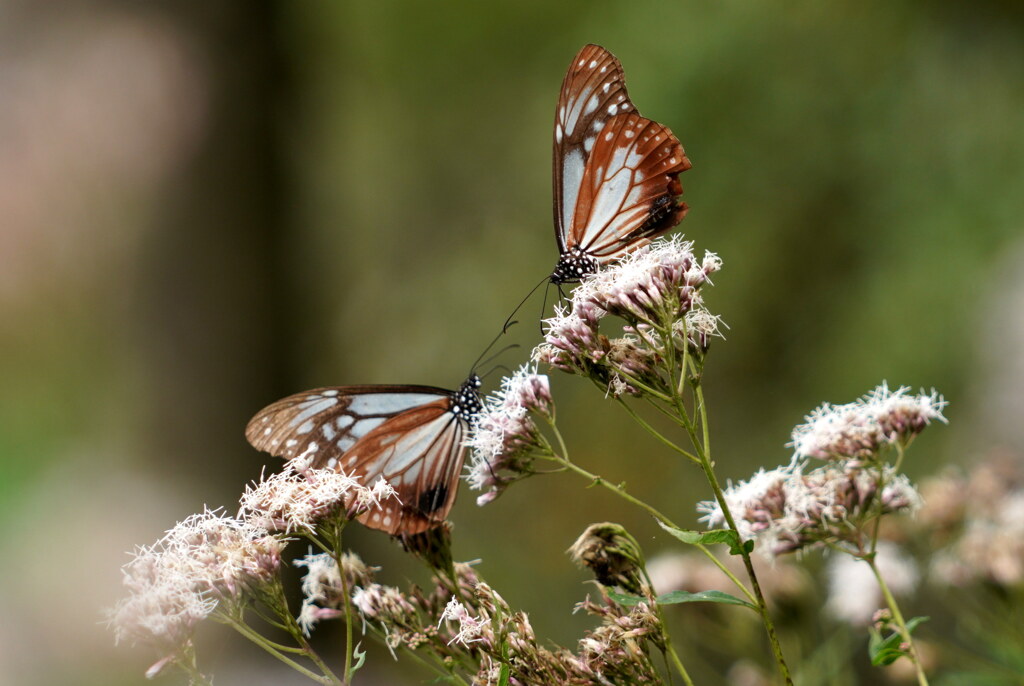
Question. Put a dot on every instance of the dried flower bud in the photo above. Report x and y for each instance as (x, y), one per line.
(614, 556)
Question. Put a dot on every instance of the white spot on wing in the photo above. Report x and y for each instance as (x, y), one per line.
(612, 109)
(573, 115)
(311, 407)
(593, 63)
(306, 427)
(572, 177)
(607, 204)
(588, 144)
(412, 445)
(365, 426)
(388, 403)
(329, 432)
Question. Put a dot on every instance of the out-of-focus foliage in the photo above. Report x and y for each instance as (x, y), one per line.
(204, 206)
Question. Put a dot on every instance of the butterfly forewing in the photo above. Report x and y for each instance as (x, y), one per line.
(593, 91)
(406, 434)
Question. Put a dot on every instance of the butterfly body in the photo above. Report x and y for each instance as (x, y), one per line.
(615, 172)
(410, 435)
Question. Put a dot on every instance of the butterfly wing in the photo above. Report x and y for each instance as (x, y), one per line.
(406, 434)
(615, 172)
(593, 91)
(628, 192)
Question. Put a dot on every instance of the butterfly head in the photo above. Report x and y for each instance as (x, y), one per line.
(466, 403)
(573, 265)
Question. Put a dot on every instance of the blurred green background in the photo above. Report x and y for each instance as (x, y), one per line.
(207, 205)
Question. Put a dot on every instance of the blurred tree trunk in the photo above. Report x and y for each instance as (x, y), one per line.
(214, 286)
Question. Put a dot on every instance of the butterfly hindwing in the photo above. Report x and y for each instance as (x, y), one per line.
(406, 434)
(629, 187)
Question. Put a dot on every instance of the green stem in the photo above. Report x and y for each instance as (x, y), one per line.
(187, 663)
(762, 606)
(348, 612)
(654, 432)
(564, 461)
(901, 625)
(704, 454)
(271, 648)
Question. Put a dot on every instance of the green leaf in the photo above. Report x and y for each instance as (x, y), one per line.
(627, 600)
(885, 651)
(504, 674)
(360, 656)
(727, 536)
(676, 597)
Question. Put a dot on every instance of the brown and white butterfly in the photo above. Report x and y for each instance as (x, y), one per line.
(410, 435)
(615, 172)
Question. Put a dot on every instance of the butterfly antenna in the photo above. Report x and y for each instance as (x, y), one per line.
(496, 368)
(543, 309)
(509, 322)
(510, 346)
(480, 360)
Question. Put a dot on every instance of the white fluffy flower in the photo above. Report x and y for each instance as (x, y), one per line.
(861, 428)
(655, 281)
(505, 434)
(470, 627)
(178, 582)
(787, 509)
(296, 498)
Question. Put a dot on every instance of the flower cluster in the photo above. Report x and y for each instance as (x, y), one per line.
(786, 509)
(656, 292)
(505, 436)
(656, 283)
(617, 651)
(861, 429)
(298, 497)
(477, 629)
(179, 581)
